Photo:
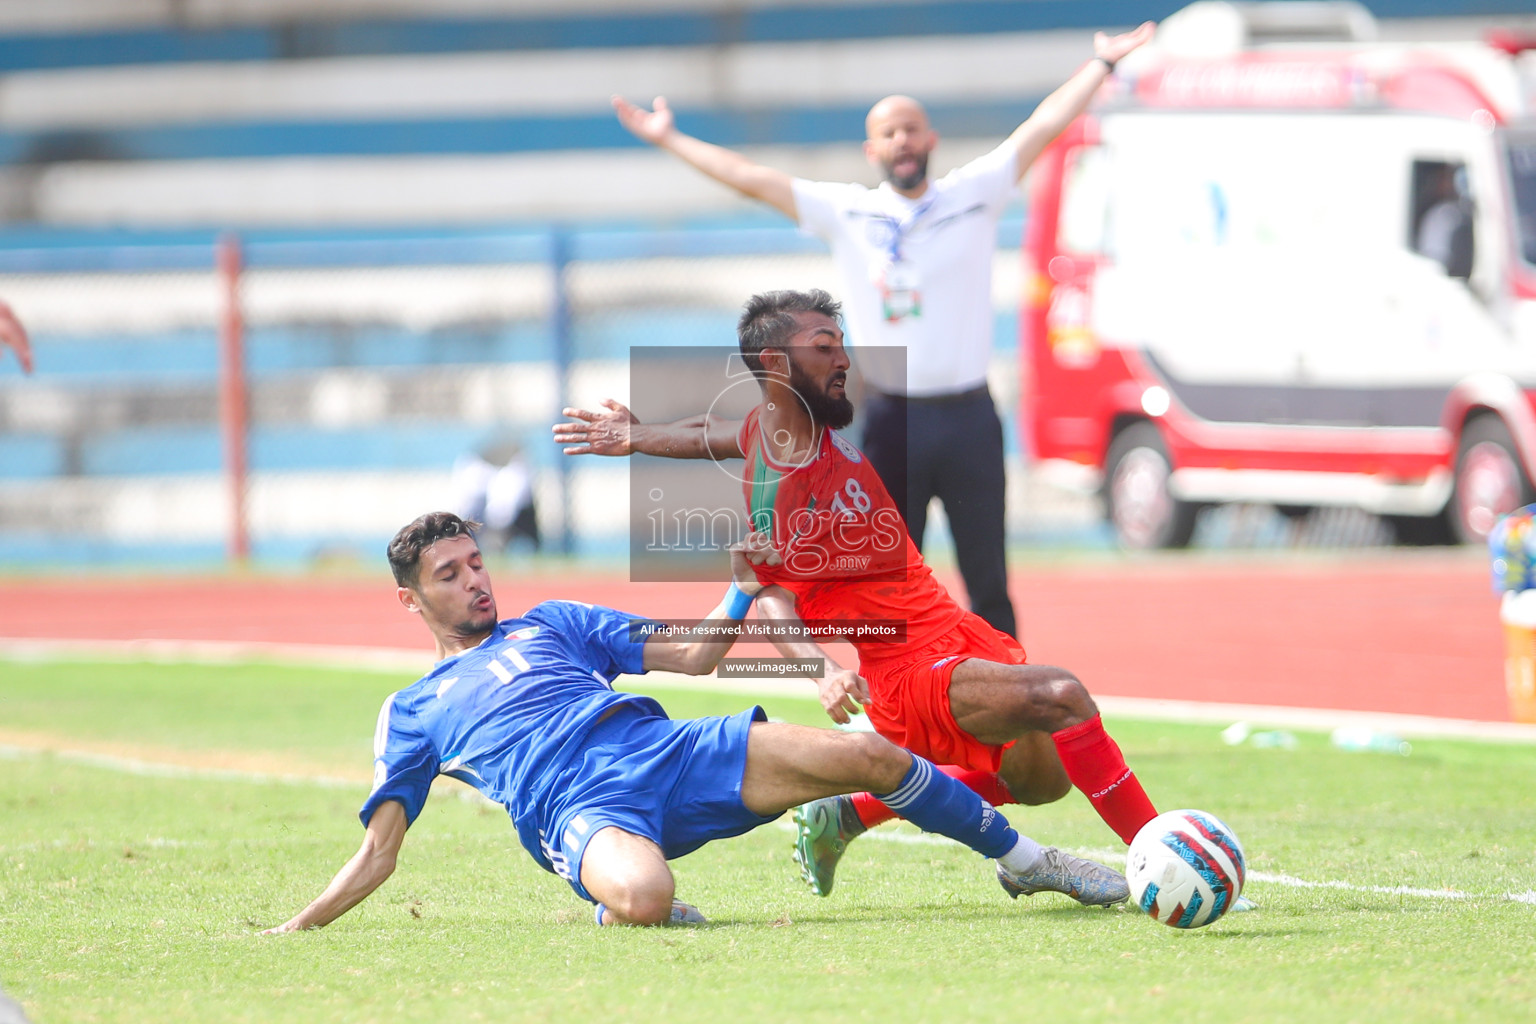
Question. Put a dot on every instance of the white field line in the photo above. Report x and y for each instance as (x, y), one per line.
(1290, 881)
(170, 770)
(156, 769)
(413, 662)
(1315, 719)
(216, 652)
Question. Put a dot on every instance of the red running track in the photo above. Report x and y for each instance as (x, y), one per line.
(1412, 632)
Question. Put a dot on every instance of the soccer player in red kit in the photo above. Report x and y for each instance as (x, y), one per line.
(953, 689)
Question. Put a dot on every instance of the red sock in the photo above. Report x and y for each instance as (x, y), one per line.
(988, 785)
(1096, 766)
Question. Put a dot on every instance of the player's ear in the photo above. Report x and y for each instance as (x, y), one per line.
(775, 361)
(870, 155)
(407, 598)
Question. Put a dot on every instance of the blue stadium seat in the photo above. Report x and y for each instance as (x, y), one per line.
(724, 25)
(31, 456)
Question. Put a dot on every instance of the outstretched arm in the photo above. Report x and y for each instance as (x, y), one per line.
(843, 691)
(12, 333)
(699, 657)
(752, 180)
(618, 432)
(373, 862)
(1063, 106)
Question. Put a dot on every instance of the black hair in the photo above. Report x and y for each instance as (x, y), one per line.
(418, 535)
(768, 319)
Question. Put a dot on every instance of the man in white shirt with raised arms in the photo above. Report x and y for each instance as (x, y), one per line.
(915, 258)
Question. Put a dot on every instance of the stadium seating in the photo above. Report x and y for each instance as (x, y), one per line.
(414, 179)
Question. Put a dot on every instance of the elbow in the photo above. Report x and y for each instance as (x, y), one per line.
(378, 859)
(699, 662)
(380, 866)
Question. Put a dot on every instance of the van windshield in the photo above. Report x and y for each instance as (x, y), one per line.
(1522, 179)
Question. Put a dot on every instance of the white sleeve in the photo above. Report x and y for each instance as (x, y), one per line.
(992, 178)
(818, 203)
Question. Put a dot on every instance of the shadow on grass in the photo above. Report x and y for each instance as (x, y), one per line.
(956, 913)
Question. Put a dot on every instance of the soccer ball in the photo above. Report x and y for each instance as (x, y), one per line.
(1185, 868)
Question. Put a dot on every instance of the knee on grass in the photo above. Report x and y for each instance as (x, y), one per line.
(628, 874)
(638, 903)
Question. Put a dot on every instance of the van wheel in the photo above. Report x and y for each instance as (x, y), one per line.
(1143, 512)
(1490, 482)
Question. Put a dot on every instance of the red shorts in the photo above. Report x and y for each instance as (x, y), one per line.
(910, 694)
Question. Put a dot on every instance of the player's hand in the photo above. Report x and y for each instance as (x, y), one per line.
(282, 929)
(754, 550)
(651, 126)
(843, 693)
(1112, 48)
(12, 333)
(597, 433)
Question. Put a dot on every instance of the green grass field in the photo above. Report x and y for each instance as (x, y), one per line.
(131, 896)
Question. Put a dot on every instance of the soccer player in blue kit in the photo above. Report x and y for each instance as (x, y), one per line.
(601, 785)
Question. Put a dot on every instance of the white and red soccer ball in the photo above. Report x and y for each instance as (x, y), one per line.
(1185, 868)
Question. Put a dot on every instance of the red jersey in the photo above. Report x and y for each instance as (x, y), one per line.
(847, 553)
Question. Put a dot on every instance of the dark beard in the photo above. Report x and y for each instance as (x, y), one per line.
(909, 181)
(825, 410)
(474, 622)
(486, 620)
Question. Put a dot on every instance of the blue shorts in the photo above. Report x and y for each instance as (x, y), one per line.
(677, 783)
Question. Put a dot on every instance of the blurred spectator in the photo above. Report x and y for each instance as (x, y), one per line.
(495, 486)
(12, 333)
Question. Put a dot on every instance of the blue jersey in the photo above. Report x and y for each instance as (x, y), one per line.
(506, 717)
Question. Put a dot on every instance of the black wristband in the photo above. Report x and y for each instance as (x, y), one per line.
(1107, 63)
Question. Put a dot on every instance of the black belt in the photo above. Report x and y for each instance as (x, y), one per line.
(957, 396)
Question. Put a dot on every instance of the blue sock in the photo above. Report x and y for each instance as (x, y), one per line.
(934, 802)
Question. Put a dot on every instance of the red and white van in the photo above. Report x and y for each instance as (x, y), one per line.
(1300, 274)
